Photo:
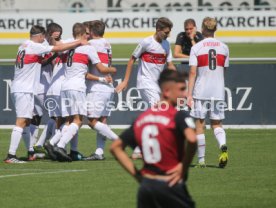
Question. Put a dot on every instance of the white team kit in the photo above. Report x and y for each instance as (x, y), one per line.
(28, 65)
(44, 76)
(210, 56)
(99, 94)
(153, 57)
(73, 89)
(53, 93)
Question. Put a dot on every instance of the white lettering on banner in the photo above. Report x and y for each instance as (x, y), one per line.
(8, 85)
(229, 99)
(22, 23)
(244, 98)
(246, 22)
(130, 23)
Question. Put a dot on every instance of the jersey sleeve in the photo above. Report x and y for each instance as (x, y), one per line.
(169, 57)
(226, 63)
(93, 56)
(179, 39)
(141, 48)
(41, 49)
(192, 58)
(183, 121)
(128, 137)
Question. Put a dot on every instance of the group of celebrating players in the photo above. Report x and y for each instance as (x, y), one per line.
(75, 74)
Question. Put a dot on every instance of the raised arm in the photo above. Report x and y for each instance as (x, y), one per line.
(105, 70)
(67, 46)
(124, 83)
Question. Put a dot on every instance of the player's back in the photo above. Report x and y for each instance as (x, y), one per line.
(156, 135)
(77, 67)
(210, 56)
(28, 65)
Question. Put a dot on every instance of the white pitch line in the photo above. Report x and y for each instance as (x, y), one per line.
(50, 172)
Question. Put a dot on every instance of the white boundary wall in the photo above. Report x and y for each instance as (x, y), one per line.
(132, 27)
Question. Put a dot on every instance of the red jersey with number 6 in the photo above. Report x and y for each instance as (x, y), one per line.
(159, 134)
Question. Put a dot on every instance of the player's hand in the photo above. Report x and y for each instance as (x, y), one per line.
(175, 174)
(122, 86)
(193, 34)
(190, 102)
(108, 79)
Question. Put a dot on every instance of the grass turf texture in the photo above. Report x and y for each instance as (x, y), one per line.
(125, 50)
(248, 180)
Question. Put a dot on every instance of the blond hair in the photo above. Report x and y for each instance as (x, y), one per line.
(209, 26)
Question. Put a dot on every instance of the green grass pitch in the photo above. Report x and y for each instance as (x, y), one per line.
(247, 181)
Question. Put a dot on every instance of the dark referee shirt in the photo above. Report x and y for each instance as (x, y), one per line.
(186, 43)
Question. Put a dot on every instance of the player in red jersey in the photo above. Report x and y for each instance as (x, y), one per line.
(168, 143)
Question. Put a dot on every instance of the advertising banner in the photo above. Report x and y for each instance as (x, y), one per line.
(250, 96)
(132, 27)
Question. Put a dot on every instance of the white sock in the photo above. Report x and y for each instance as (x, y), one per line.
(137, 150)
(15, 139)
(201, 144)
(74, 142)
(100, 144)
(104, 130)
(220, 136)
(72, 129)
(47, 132)
(55, 139)
(26, 135)
(34, 129)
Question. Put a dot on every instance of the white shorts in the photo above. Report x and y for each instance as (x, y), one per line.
(73, 103)
(150, 96)
(39, 104)
(99, 104)
(24, 104)
(53, 105)
(215, 108)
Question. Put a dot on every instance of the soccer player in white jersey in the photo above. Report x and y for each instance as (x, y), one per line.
(28, 61)
(99, 93)
(73, 91)
(208, 60)
(53, 36)
(154, 52)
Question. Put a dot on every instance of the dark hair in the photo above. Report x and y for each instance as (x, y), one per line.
(189, 21)
(37, 29)
(53, 27)
(87, 24)
(162, 23)
(97, 27)
(171, 76)
(78, 29)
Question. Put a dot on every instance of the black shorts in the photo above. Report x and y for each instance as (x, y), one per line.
(157, 194)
